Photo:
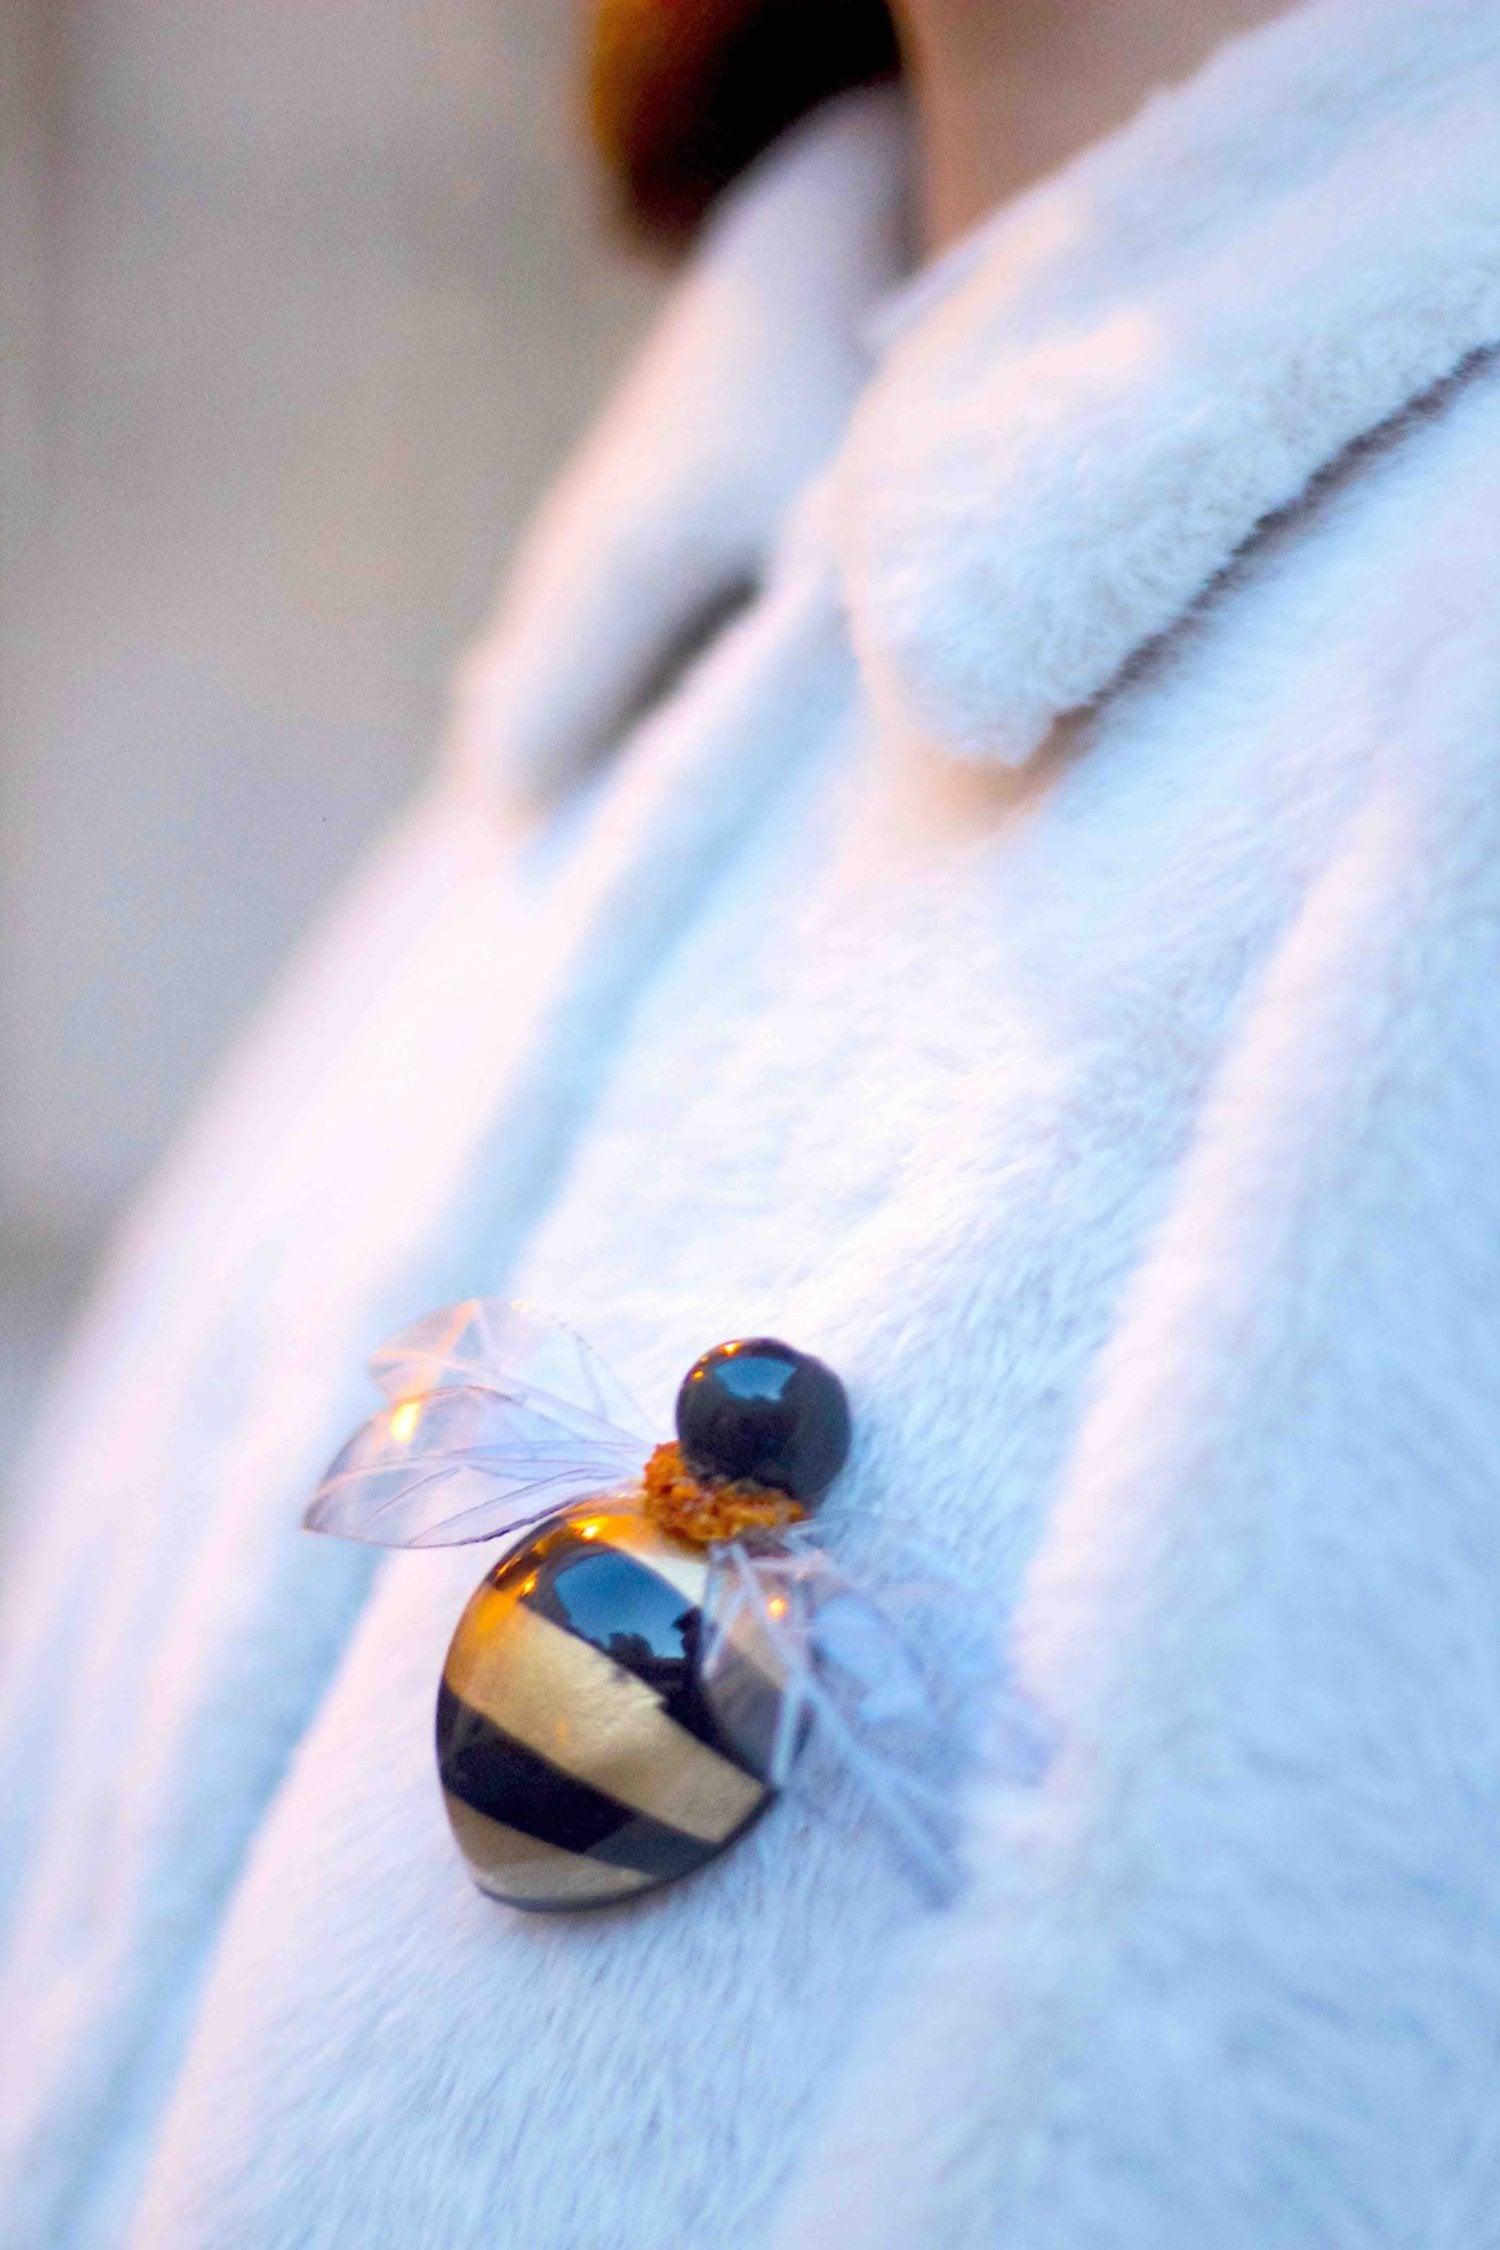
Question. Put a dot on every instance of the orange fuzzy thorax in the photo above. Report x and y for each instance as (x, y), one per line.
(704, 1511)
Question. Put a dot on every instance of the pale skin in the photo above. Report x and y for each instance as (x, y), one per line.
(1007, 90)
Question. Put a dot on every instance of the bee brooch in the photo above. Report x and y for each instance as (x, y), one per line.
(638, 1676)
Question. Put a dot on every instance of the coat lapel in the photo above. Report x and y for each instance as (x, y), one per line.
(1089, 410)
(668, 513)
(1081, 417)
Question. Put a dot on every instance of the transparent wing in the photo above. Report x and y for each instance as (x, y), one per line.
(488, 1344)
(464, 1463)
(900, 1694)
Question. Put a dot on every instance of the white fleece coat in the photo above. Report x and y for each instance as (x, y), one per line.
(1044, 954)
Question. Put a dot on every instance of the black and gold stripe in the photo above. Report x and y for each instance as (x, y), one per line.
(579, 1759)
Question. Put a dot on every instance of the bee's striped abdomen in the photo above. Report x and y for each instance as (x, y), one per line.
(578, 1757)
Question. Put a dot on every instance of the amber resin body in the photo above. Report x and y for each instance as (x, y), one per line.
(580, 1760)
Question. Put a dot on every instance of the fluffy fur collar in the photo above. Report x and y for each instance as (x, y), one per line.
(1062, 434)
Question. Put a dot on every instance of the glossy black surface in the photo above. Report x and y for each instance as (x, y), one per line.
(559, 1775)
(760, 1409)
(621, 1606)
(496, 1775)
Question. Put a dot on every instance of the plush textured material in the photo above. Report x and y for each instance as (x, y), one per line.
(1041, 956)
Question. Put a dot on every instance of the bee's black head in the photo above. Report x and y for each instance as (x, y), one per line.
(762, 1411)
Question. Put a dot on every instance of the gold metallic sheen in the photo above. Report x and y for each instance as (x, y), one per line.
(591, 1719)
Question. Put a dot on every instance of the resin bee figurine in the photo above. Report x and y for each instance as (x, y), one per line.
(636, 1678)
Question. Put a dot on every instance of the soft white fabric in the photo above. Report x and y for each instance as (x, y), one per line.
(1119, 1118)
(1057, 462)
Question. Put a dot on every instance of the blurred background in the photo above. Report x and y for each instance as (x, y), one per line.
(300, 302)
